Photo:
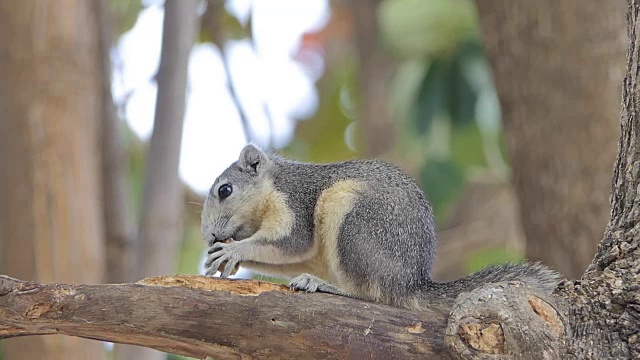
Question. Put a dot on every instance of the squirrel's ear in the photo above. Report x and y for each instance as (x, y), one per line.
(252, 159)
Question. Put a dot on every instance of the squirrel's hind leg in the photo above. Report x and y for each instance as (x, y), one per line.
(310, 283)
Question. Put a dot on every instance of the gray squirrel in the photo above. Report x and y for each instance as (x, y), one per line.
(357, 228)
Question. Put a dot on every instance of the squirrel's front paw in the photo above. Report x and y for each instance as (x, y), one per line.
(223, 254)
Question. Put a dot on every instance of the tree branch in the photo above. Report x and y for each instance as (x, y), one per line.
(225, 319)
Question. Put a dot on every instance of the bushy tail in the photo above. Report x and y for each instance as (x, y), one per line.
(533, 274)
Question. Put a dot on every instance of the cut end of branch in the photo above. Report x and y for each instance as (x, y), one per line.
(548, 314)
(198, 282)
(485, 337)
(487, 323)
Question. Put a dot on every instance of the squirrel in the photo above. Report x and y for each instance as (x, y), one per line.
(359, 228)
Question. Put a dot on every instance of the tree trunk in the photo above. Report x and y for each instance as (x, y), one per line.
(118, 217)
(485, 218)
(606, 305)
(374, 77)
(160, 229)
(162, 209)
(558, 66)
(50, 104)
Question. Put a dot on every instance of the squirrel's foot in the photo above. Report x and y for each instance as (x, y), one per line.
(310, 283)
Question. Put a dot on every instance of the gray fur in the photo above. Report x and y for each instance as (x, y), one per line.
(533, 274)
(387, 241)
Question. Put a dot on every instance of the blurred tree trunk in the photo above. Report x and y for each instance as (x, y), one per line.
(558, 67)
(50, 103)
(374, 116)
(485, 218)
(162, 208)
(118, 218)
(160, 229)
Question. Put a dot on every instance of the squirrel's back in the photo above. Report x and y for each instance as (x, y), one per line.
(370, 217)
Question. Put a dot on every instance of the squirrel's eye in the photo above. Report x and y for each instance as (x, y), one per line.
(225, 190)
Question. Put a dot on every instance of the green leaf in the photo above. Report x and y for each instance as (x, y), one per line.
(124, 14)
(425, 29)
(433, 97)
(490, 256)
(403, 89)
(443, 182)
(464, 96)
(321, 137)
(191, 246)
(233, 29)
(463, 99)
(467, 146)
(218, 26)
(470, 48)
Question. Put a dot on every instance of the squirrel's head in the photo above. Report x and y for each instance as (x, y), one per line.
(232, 208)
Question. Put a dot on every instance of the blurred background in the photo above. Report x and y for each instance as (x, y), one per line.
(116, 116)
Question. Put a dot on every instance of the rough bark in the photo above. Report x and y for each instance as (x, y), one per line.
(50, 105)
(224, 319)
(606, 304)
(558, 67)
(374, 76)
